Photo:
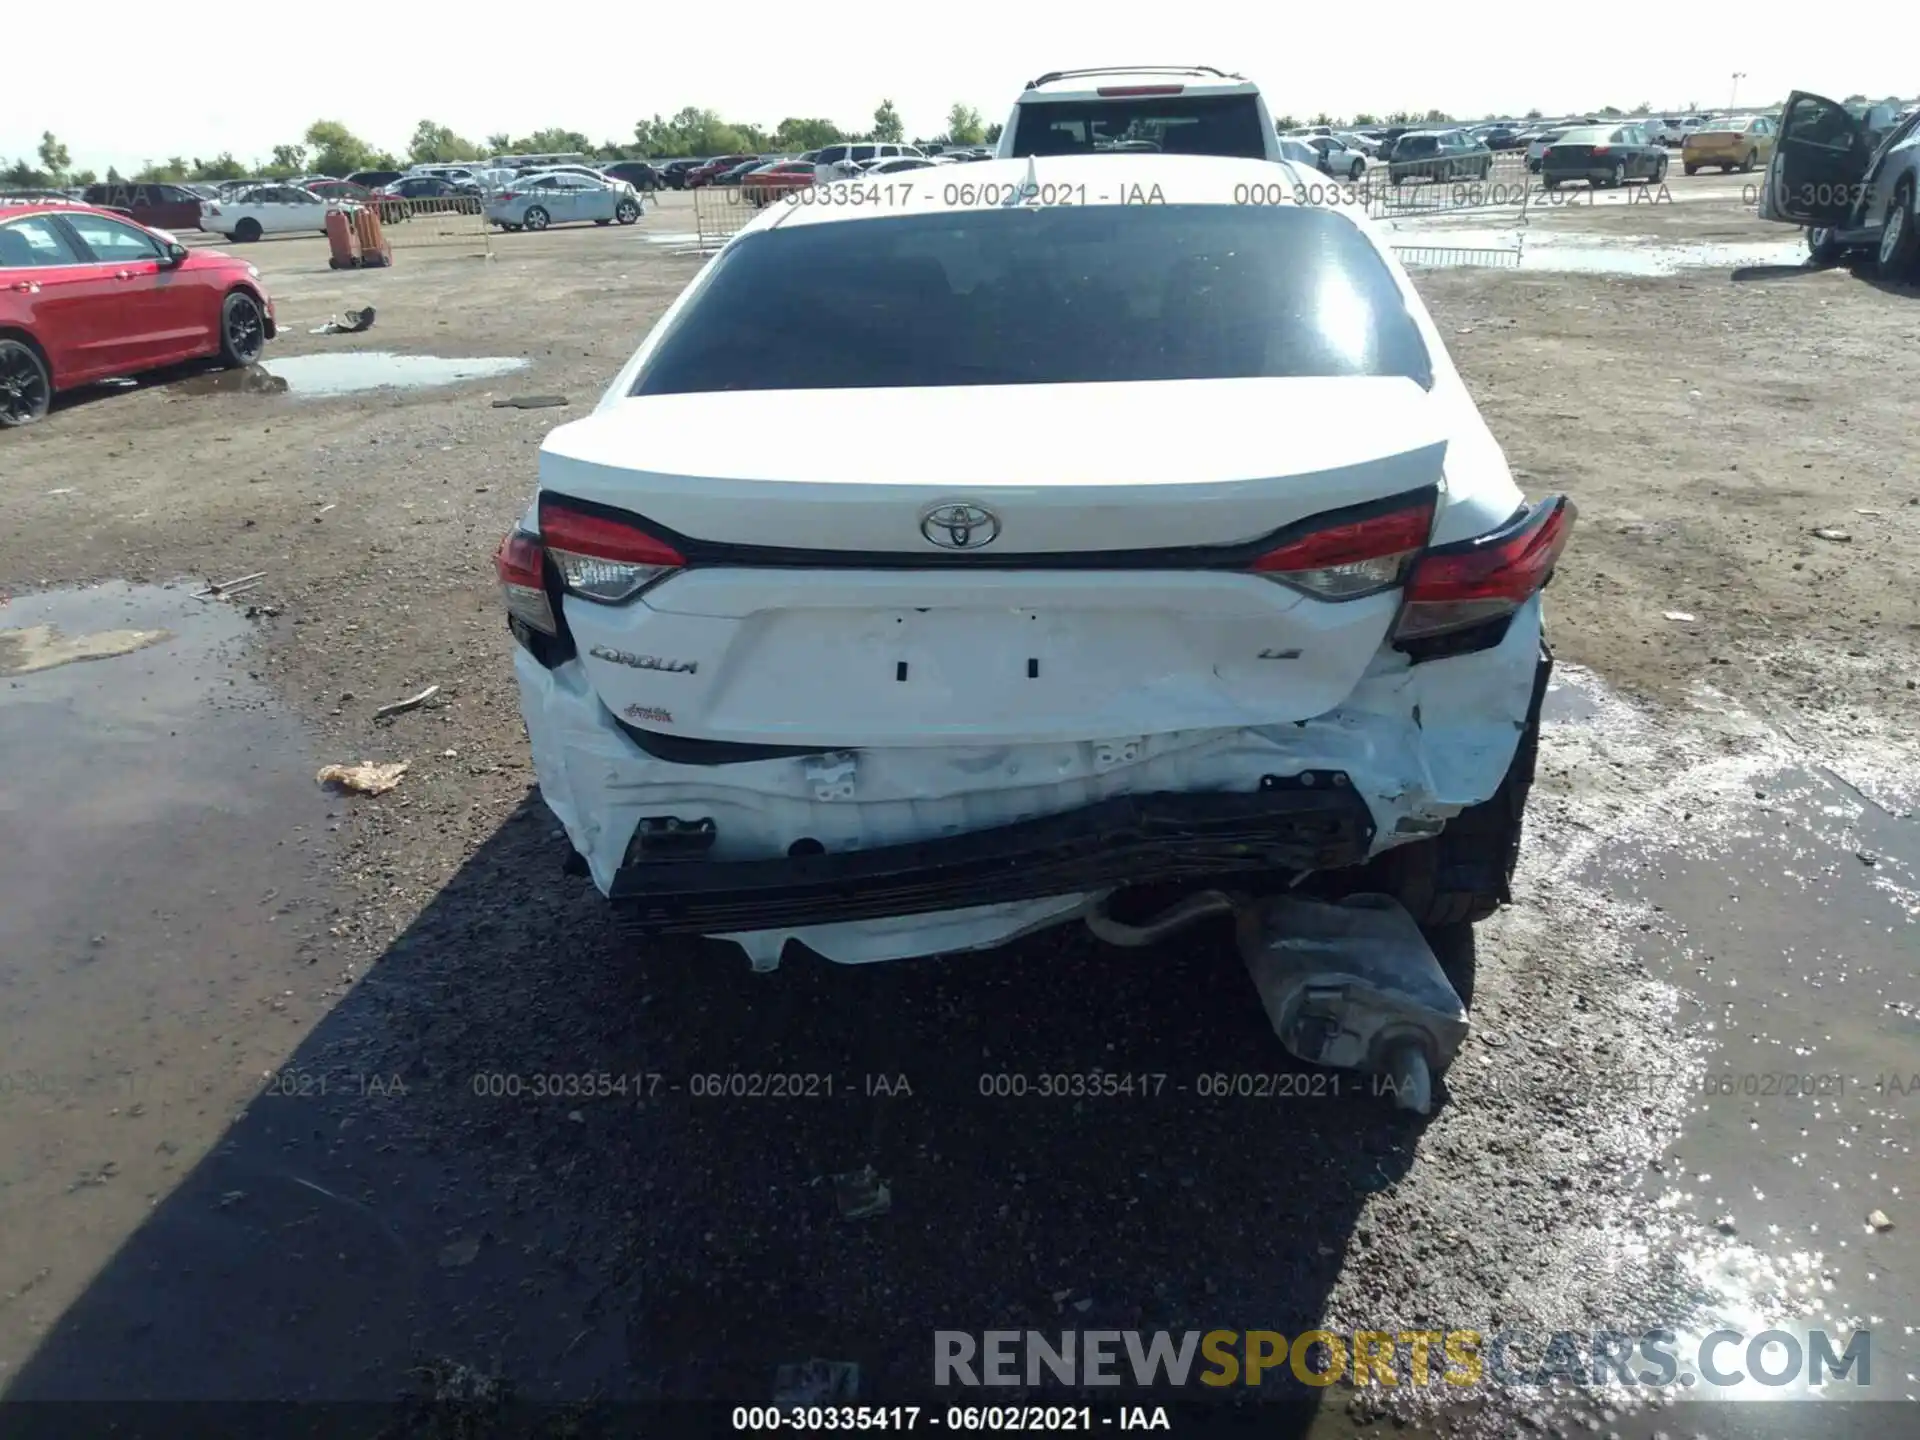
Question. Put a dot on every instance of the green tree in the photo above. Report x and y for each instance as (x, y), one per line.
(1612, 112)
(992, 137)
(434, 143)
(287, 160)
(82, 177)
(222, 167)
(500, 142)
(552, 141)
(1365, 117)
(1284, 123)
(1437, 117)
(1645, 107)
(964, 125)
(114, 177)
(333, 149)
(1531, 115)
(24, 176)
(1321, 119)
(886, 124)
(172, 171)
(54, 155)
(797, 133)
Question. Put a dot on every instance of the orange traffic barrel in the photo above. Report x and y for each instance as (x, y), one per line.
(374, 249)
(343, 240)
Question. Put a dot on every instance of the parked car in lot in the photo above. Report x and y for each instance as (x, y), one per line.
(674, 173)
(897, 163)
(430, 187)
(86, 295)
(1537, 144)
(1438, 155)
(165, 207)
(1179, 109)
(1334, 157)
(1218, 618)
(246, 215)
(706, 172)
(1739, 144)
(537, 201)
(731, 177)
(1499, 137)
(374, 179)
(1851, 192)
(1603, 155)
(770, 182)
(637, 173)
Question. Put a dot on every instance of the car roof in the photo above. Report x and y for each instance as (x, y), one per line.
(11, 209)
(1101, 179)
(1087, 83)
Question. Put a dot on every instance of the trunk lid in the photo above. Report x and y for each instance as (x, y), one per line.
(826, 602)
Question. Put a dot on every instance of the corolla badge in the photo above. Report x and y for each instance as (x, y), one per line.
(956, 525)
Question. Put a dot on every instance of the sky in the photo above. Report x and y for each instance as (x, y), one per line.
(260, 77)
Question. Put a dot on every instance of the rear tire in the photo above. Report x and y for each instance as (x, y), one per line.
(26, 385)
(536, 218)
(1689, 168)
(1823, 246)
(1746, 165)
(1898, 257)
(627, 212)
(247, 231)
(1463, 874)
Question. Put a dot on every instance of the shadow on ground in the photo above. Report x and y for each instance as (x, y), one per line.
(385, 1216)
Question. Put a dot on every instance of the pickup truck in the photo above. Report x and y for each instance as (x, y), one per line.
(267, 210)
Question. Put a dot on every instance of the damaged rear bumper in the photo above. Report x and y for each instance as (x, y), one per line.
(1309, 821)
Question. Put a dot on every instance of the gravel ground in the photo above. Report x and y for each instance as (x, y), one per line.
(376, 1225)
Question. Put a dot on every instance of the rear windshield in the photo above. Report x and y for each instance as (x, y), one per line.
(1415, 144)
(1042, 296)
(1592, 135)
(1176, 124)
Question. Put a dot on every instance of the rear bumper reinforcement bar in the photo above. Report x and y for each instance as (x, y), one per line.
(1309, 821)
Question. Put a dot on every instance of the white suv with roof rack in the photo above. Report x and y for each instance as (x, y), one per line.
(1179, 109)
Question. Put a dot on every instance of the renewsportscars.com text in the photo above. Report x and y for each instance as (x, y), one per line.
(1459, 1358)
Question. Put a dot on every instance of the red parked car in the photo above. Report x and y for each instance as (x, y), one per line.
(719, 165)
(165, 207)
(88, 295)
(770, 183)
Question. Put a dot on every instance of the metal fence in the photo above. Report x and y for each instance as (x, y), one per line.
(456, 223)
(1440, 186)
(719, 215)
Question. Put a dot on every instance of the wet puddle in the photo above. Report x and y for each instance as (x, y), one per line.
(1782, 900)
(159, 822)
(322, 377)
(1542, 249)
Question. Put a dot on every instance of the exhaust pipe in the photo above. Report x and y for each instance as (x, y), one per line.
(1353, 985)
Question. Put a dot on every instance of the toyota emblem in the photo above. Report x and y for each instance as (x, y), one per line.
(957, 526)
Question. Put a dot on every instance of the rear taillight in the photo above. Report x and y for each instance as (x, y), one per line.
(601, 558)
(1351, 558)
(1601, 149)
(1455, 587)
(521, 565)
(1140, 90)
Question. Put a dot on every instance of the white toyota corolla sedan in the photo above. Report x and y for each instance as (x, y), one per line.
(1144, 535)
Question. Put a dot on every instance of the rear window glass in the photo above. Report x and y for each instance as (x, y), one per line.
(1042, 296)
(1176, 124)
(1592, 135)
(1416, 145)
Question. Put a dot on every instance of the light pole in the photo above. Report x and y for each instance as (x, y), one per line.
(1734, 93)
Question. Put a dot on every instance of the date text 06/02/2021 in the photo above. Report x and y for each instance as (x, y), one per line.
(1003, 1419)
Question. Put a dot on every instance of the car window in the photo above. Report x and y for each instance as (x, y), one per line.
(1177, 124)
(111, 240)
(1822, 123)
(1060, 295)
(35, 241)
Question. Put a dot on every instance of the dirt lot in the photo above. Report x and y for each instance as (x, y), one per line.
(173, 1228)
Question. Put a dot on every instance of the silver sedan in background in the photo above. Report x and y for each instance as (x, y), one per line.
(556, 197)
